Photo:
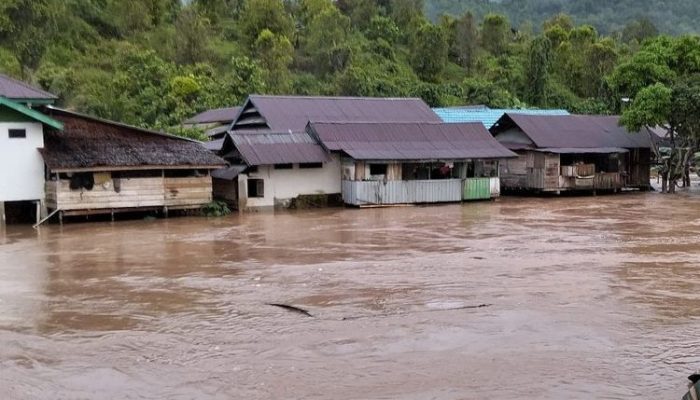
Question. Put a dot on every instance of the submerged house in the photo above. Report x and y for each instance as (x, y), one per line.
(277, 169)
(96, 166)
(273, 160)
(387, 163)
(21, 136)
(572, 153)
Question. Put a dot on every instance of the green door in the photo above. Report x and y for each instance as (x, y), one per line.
(477, 189)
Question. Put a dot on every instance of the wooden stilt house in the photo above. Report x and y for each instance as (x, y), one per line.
(96, 166)
(572, 153)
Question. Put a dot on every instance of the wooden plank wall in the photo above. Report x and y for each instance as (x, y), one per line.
(133, 193)
(187, 191)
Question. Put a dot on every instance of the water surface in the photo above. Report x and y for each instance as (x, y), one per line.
(589, 297)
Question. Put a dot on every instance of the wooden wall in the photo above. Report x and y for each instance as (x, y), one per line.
(133, 193)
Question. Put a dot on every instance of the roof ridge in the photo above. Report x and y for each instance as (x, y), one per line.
(28, 86)
(290, 96)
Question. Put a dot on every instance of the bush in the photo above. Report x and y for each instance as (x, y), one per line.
(216, 209)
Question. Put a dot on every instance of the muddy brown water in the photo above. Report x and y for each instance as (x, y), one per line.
(590, 297)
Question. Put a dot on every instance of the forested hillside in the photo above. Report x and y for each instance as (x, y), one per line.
(156, 62)
(676, 16)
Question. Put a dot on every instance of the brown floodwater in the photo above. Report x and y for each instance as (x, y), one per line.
(586, 297)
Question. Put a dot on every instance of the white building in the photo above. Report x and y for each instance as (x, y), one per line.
(277, 170)
(21, 137)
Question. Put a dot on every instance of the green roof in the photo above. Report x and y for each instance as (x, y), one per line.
(35, 115)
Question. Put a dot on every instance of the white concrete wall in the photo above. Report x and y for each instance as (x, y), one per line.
(21, 165)
(285, 184)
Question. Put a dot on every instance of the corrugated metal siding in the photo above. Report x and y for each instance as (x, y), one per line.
(477, 188)
(361, 193)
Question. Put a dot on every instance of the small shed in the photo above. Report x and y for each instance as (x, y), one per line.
(572, 153)
(412, 162)
(96, 166)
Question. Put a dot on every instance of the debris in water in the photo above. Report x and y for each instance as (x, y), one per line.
(291, 308)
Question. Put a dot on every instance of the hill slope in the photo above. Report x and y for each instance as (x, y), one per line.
(674, 16)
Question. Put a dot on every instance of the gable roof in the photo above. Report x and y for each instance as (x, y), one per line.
(33, 114)
(267, 148)
(574, 131)
(284, 113)
(17, 90)
(90, 143)
(409, 141)
(485, 115)
(220, 115)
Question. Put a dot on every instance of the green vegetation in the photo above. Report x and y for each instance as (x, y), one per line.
(216, 209)
(154, 63)
(624, 17)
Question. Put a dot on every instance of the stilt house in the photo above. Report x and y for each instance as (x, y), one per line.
(572, 153)
(96, 166)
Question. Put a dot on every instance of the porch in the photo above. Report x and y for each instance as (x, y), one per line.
(371, 193)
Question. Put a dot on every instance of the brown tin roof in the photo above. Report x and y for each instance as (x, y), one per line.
(17, 90)
(284, 113)
(409, 141)
(220, 115)
(266, 148)
(573, 131)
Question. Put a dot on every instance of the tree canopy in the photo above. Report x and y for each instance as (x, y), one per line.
(154, 63)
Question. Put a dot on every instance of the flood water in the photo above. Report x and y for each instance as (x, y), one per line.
(585, 297)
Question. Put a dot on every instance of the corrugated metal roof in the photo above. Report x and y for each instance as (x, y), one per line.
(282, 113)
(574, 131)
(229, 173)
(214, 145)
(579, 150)
(485, 115)
(266, 148)
(17, 90)
(222, 115)
(409, 141)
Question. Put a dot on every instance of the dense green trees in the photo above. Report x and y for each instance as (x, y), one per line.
(156, 62)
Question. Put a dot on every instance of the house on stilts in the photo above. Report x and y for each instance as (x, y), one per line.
(572, 153)
(96, 166)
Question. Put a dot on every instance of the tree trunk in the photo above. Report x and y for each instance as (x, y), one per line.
(664, 182)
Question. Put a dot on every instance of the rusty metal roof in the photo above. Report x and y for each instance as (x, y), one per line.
(220, 115)
(283, 113)
(266, 148)
(409, 141)
(16, 90)
(574, 131)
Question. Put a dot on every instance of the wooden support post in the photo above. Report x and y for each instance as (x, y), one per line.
(165, 211)
(60, 218)
(38, 212)
(2, 213)
(112, 212)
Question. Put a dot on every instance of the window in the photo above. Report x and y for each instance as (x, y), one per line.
(311, 165)
(377, 169)
(284, 166)
(256, 188)
(17, 133)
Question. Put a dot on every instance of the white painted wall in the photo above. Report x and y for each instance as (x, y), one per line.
(285, 184)
(21, 165)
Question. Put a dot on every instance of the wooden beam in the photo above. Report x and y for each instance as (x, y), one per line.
(135, 168)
